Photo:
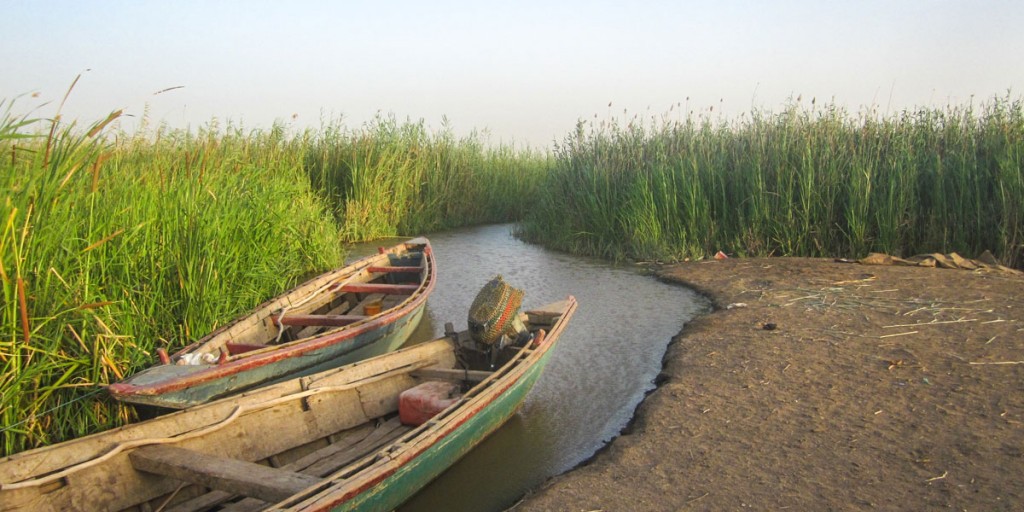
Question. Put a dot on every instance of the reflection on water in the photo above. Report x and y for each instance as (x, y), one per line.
(606, 360)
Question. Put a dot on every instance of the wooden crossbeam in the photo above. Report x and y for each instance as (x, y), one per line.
(389, 289)
(452, 374)
(385, 270)
(317, 320)
(321, 462)
(241, 348)
(221, 473)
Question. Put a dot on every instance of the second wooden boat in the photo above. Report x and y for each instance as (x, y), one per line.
(363, 437)
(367, 308)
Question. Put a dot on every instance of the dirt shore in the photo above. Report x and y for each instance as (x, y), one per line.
(818, 385)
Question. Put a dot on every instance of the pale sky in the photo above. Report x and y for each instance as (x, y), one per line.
(526, 71)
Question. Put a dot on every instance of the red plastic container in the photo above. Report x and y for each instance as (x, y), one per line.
(419, 404)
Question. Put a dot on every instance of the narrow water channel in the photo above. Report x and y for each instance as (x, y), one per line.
(607, 359)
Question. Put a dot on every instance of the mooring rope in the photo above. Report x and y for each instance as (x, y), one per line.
(52, 409)
(238, 410)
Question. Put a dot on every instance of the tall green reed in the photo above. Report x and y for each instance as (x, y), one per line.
(391, 178)
(111, 249)
(115, 244)
(809, 181)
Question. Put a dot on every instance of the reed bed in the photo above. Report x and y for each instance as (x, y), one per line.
(113, 244)
(111, 249)
(808, 181)
(391, 178)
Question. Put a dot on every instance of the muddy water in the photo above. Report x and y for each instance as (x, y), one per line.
(607, 359)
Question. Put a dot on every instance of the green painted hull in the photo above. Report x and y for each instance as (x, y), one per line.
(174, 385)
(365, 345)
(428, 465)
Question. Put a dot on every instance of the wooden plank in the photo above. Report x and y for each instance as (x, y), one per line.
(381, 397)
(385, 270)
(233, 475)
(117, 485)
(547, 314)
(241, 348)
(318, 320)
(382, 435)
(341, 441)
(321, 463)
(390, 289)
(451, 374)
(311, 330)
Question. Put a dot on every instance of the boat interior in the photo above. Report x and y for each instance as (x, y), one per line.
(317, 307)
(417, 398)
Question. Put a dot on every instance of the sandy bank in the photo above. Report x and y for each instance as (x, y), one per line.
(832, 387)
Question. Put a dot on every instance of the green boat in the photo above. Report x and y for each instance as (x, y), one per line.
(366, 436)
(366, 308)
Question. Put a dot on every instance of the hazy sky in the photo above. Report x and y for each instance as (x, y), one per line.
(526, 70)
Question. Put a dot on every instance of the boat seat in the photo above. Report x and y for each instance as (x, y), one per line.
(393, 269)
(241, 348)
(388, 289)
(312, 330)
(317, 320)
(221, 473)
(346, 449)
(453, 374)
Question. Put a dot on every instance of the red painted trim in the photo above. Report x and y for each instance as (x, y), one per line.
(318, 320)
(390, 289)
(240, 348)
(394, 269)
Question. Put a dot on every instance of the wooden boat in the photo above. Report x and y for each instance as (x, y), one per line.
(329, 441)
(364, 309)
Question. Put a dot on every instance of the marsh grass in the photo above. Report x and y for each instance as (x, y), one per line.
(393, 178)
(111, 250)
(113, 245)
(806, 181)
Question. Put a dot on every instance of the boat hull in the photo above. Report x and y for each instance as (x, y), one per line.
(361, 346)
(442, 454)
(177, 386)
(435, 450)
